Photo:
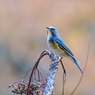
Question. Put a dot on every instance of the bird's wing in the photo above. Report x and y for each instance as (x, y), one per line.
(63, 46)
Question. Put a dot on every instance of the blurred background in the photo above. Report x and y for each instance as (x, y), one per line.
(23, 37)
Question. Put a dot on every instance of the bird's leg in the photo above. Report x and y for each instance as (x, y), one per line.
(52, 54)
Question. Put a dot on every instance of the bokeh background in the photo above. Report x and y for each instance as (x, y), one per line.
(23, 38)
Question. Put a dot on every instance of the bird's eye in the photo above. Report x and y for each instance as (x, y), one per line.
(52, 29)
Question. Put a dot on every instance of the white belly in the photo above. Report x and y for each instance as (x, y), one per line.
(56, 51)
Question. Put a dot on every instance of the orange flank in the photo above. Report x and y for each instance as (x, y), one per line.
(57, 47)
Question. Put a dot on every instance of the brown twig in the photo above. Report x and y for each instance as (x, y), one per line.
(63, 70)
(64, 77)
(83, 69)
(27, 73)
(35, 66)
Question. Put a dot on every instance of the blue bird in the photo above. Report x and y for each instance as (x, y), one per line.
(58, 46)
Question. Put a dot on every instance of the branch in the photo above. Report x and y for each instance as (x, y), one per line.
(51, 76)
(37, 85)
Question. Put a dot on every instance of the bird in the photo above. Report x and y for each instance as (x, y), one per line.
(58, 46)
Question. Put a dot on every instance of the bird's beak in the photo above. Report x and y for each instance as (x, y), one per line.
(47, 27)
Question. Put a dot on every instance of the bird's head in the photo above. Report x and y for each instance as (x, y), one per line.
(52, 31)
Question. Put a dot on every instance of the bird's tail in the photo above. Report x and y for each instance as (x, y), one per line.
(76, 62)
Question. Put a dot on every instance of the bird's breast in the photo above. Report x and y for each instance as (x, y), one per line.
(53, 46)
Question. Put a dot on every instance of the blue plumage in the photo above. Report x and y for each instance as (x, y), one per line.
(75, 61)
(58, 46)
